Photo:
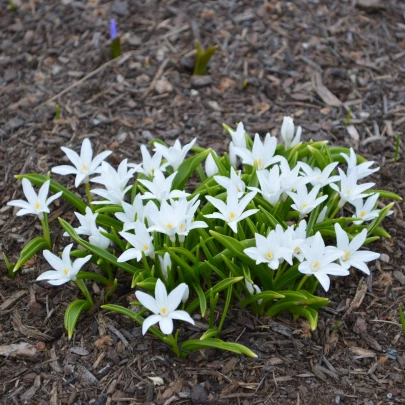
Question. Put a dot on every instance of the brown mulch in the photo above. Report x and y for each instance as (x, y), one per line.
(314, 60)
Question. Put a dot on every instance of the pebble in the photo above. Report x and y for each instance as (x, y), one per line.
(384, 258)
(163, 86)
(200, 81)
(400, 276)
(29, 37)
(198, 394)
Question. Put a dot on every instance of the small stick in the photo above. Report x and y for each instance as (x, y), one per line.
(91, 74)
(155, 79)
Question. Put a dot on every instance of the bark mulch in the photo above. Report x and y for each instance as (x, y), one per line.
(337, 67)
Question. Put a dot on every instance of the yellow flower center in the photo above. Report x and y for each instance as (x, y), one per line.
(297, 250)
(362, 214)
(269, 255)
(319, 178)
(346, 256)
(315, 266)
(163, 311)
(304, 205)
(169, 226)
(182, 227)
(84, 168)
(239, 190)
(259, 163)
(151, 170)
(65, 272)
(232, 216)
(37, 205)
(348, 192)
(145, 247)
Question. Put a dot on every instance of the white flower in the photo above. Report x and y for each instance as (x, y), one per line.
(349, 189)
(132, 212)
(305, 202)
(188, 208)
(64, 269)
(149, 163)
(175, 154)
(185, 295)
(175, 218)
(270, 185)
(163, 307)
(253, 289)
(261, 155)
(89, 228)
(141, 242)
(365, 209)
(238, 136)
(322, 214)
(159, 188)
(97, 239)
(232, 211)
(320, 177)
(36, 204)
(115, 182)
(238, 141)
(362, 170)
(234, 180)
(270, 250)
(86, 222)
(292, 238)
(290, 178)
(352, 257)
(84, 165)
(211, 168)
(319, 261)
(287, 133)
(165, 265)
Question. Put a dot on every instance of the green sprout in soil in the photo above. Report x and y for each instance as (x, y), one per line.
(397, 147)
(115, 40)
(402, 318)
(202, 59)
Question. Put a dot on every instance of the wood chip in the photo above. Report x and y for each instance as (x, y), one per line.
(12, 300)
(323, 92)
(29, 330)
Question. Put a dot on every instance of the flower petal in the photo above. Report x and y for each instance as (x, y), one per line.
(64, 170)
(161, 294)
(181, 315)
(129, 255)
(174, 298)
(73, 157)
(54, 261)
(147, 301)
(29, 192)
(150, 321)
(166, 325)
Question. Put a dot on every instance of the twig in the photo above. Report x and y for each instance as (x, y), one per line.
(155, 79)
(91, 74)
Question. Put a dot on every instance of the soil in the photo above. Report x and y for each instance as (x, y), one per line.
(314, 60)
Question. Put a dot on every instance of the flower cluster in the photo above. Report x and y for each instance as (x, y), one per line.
(270, 213)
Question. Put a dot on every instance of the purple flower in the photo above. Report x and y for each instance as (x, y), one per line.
(113, 29)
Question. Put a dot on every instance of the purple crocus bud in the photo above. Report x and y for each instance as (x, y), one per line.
(113, 29)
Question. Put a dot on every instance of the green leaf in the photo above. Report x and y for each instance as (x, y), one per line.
(319, 157)
(108, 222)
(108, 257)
(9, 266)
(307, 312)
(202, 298)
(271, 295)
(116, 47)
(192, 345)
(72, 314)
(55, 187)
(187, 168)
(110, 209)
(384, 194)
(214, 290)
(202, 58)
(402, 318)
(30, 249)
(377, 221)
(210, 333)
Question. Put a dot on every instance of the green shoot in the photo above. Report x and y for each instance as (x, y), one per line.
(397, 146)
(202, 59)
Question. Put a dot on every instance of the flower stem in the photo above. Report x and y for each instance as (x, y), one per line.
(45, 227)
(302, 282)
(87, 186)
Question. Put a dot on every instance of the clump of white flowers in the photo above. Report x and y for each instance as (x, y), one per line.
(269, 220)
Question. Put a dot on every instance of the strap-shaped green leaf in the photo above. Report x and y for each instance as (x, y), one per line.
(384, 194)
(272, 295)
(30, 249)
(377, 221)
(202, 58)
(55, 187)
(214, 290)
(187, 168)
(319, 157)
(202, 298)
(72, 314)
(192, 345)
